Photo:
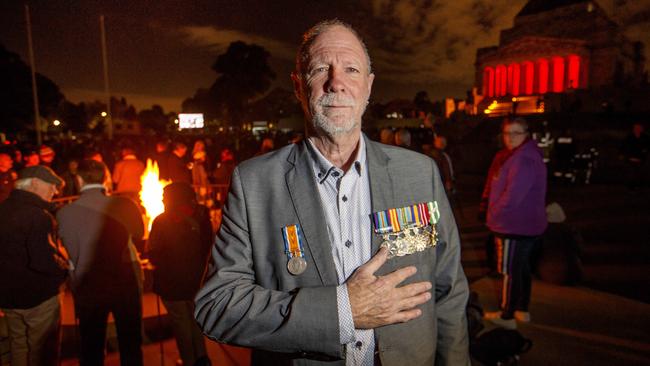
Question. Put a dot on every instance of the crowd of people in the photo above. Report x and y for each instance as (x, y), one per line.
(332, 247)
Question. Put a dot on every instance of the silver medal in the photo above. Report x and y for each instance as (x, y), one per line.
(297, 265)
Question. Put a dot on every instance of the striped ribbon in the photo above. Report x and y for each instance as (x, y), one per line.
(293, 241)
(398, 219)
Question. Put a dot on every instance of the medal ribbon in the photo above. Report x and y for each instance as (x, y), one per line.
(398, 219)
(292, 241)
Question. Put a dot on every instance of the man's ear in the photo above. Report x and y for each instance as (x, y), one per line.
(371, 79)
(80, 180)
(297, 85)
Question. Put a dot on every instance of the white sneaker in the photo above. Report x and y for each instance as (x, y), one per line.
(504, 323)
(522, 316)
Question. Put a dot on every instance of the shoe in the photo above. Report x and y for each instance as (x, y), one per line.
(504, 323)
(522, 316)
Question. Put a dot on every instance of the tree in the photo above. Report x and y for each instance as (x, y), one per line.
(275, 105)
(16, 103)
(422, 102)
(154, 119)
(74, 116)
(243, 75)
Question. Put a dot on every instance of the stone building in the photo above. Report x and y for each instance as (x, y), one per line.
(555, 47)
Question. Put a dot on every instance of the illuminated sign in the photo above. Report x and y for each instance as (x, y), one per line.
(190, 120)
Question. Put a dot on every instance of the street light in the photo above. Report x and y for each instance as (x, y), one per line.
(104, 114)
(56, 122)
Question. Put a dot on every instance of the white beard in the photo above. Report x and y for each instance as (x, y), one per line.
(323, 122)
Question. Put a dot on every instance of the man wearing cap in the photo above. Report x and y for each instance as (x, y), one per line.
(99, 233)
(32, 267)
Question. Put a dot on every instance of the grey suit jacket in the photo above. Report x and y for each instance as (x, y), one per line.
(96, 230)
(250, 299)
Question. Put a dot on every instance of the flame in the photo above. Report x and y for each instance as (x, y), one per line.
(151, 194)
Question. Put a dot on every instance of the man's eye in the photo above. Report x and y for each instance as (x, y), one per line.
(352, 69)
(319, 69)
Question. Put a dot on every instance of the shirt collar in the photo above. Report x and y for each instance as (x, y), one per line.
(92, 186)
(323, 168)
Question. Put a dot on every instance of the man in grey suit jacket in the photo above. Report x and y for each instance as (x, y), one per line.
(297, 272)
(98, 231)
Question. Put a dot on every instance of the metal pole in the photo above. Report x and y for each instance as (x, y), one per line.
(37, 115)
(107, 93)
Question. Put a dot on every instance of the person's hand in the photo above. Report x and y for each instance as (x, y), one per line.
(377, 301)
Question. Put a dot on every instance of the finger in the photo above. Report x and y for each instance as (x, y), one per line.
(398, 276)
(413, 289)
(404, 316)
(413, 301)
(371, 266)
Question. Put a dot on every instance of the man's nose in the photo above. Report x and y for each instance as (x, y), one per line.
(335, 82)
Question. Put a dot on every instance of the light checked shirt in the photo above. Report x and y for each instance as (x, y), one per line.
(345, 197)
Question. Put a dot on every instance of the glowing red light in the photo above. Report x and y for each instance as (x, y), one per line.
(529, 76)
(488, 82)
(574, 72)
(501, 80)
(558, 74)
(514, 79)
(542, 75)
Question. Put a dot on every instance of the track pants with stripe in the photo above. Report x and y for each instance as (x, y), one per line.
(513, 262)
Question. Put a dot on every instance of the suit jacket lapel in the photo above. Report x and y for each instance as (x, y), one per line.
(304, 194)
(381, 184)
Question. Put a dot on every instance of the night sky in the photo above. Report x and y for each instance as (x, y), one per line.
(161, 52)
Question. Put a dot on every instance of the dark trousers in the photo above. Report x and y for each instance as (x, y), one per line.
(513, 262)
(93, 316)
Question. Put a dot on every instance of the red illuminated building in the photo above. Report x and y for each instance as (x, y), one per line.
(555, 47)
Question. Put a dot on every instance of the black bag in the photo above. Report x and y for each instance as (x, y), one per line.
(499, 347)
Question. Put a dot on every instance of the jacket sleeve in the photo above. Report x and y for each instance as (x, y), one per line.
(43, 253)
(232, 307)
(520, 179)
(451, 288)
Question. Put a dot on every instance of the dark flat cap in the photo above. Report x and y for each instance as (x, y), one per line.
(41, 172)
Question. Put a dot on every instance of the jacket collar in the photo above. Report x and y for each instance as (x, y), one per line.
(32, 199)
(301, 184)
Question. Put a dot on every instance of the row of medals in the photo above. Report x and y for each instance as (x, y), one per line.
(410, 240)
(407, 241)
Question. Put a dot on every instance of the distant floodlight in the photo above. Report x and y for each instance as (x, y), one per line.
(190, 120)
(56, 122)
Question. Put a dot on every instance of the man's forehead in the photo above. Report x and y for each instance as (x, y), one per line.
(513, 126)
(337, 37)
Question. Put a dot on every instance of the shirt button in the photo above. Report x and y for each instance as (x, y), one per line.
(348, 243)
(345, 198)
(335, 174)
(359, 344)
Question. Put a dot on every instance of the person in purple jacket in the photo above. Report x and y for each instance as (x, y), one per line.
(516, 192)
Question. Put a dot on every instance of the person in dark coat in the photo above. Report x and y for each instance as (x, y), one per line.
(32, 268)
(179, 245)
(100, 232)
(161, 156)
(177, 169)
(7, 175)
(635, 149)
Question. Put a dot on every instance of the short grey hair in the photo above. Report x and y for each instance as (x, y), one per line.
(516, 121)
(312, 33)
(23, 184)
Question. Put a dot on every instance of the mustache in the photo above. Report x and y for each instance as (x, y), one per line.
(335, 100)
